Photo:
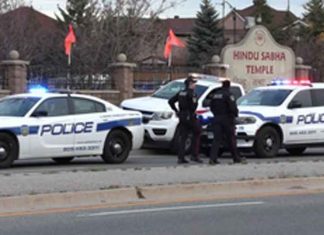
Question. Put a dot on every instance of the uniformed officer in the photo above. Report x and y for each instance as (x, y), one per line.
(188, 122)
(224, 109)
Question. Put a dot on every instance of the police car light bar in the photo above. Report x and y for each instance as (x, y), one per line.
(205, 77)
(38, 89)
(303, 82)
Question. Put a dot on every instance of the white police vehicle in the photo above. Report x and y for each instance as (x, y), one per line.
(62, 126)
(160, 121)
(286, 115)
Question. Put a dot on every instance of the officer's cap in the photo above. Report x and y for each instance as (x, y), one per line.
(190, 79)
(226, 82)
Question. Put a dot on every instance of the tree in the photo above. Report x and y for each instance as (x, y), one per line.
(207, 39)
(313, 36)
(105, 28)
(262, 13)
(8, 5)
(287, 33)
(314, 15)
(78, 12)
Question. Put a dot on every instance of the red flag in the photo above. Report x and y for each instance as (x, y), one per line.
(69, 39)
(172, 40)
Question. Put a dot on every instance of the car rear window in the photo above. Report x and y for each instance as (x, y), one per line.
(172, 88)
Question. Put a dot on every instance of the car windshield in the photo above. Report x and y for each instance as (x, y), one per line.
(264, 97)
(17, 107)
(174, 87)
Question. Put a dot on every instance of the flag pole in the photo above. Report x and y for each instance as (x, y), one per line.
(68, 42)
(169, 66)
(68, 76)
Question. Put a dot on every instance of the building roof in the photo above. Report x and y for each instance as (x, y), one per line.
(278, 15)
(181, 26)
(184, 26)
(35, 35)
(25, 15)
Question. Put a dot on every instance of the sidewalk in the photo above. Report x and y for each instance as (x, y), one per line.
(43, 191)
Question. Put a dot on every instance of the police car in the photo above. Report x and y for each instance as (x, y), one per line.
(286, 114)
(64, 125)
(160, 121)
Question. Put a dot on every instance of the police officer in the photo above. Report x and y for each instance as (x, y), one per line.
(188, 123)
(224, 109)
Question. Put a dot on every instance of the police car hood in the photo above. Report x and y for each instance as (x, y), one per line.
(148, 103)
(259, 111)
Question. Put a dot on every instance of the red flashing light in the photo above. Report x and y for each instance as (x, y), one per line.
(300, 82)
(201, 111)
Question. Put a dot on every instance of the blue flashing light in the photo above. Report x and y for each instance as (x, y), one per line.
(280, 81)
(38, 89)
(204, 120)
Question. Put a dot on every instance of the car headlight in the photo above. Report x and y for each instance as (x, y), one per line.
(157, 116)
(245, 120)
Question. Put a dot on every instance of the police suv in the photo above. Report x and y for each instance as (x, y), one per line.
(62, 126)
(160, 121)
(286, 114)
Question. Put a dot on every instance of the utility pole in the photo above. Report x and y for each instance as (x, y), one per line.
(235, 16)
(223, 13)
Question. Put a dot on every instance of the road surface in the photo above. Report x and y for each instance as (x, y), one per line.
(295, 215)
(143, 158)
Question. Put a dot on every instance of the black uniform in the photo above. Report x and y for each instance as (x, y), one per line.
(187, 122)
(225, 110)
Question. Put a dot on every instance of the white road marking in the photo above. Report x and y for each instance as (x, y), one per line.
(175, 208)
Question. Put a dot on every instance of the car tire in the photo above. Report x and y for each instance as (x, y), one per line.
(117, 147)
(296, 151)
(267, 143)
(62, 160)
(8, 150)
(176, 143)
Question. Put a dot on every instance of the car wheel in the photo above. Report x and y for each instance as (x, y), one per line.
(296, 151)
(117, 147)
(8, 150)
(267, 143)
(62, 160)
(176, 143)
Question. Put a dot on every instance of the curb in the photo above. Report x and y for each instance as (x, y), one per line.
(153, 195)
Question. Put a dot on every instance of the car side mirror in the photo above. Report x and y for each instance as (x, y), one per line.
(206, 103)
(294, 104)
(40, 113)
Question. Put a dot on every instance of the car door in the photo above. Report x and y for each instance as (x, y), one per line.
(302, 129)
(87, 115)
(318, 117)
(56, 129)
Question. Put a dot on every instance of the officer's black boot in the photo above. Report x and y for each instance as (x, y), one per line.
(240, 160)
(182, 161)
(213, 162)
(196, 159)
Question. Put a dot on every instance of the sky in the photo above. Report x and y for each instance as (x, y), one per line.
(187, 9)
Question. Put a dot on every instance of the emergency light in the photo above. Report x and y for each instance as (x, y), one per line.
(279, 81)
(38, 89)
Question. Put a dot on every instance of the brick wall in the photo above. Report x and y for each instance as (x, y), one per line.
(4, 93)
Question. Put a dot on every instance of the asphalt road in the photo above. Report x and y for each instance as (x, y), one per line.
(296, 215)
(144, 158)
